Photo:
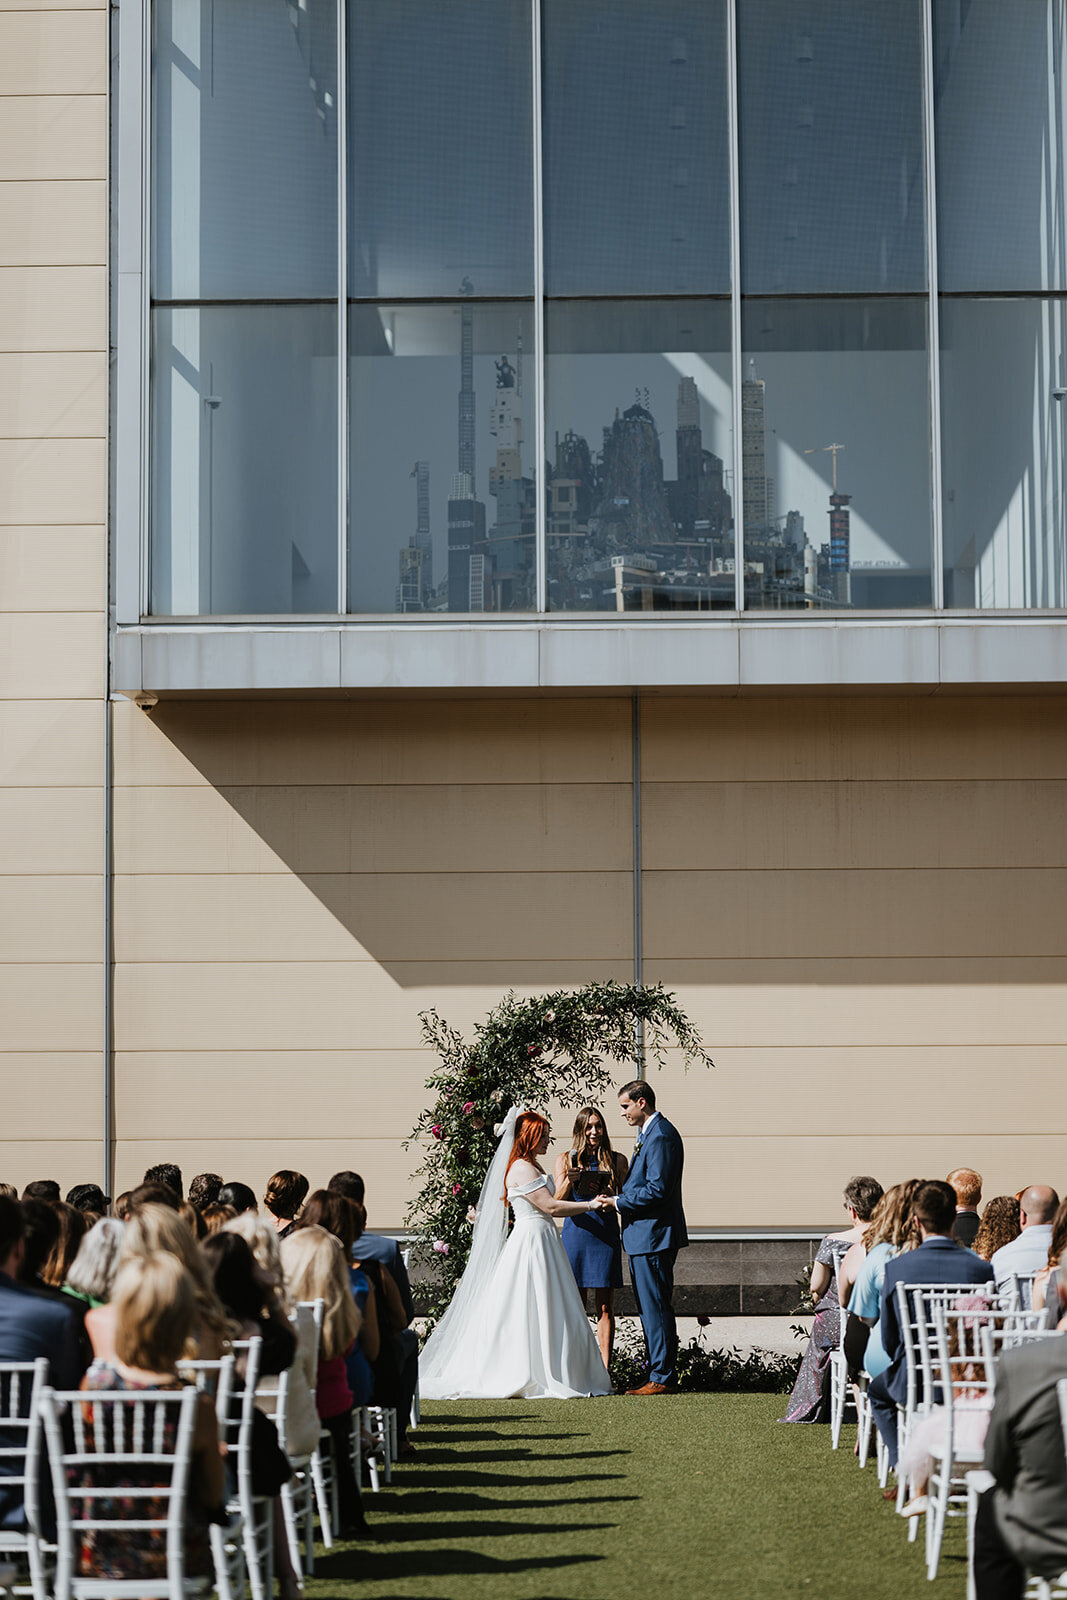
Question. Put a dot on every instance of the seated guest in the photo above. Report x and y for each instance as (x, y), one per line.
(1029, 1252)
(237, 1195)
(1021, 1524)
(204, 1189)
(151, 1194)
(216, 1217)
(892, 1230)
(810, 1400)
(938, 1259)
(999, 1224)
(95, 1267)
(968, 1186)
(1045, 1295)
(9, 1191)
(155, 1310)
(121, 1206)
(255, 1307)
(166, 1172)
(316, 1269)
(376, 1246)
(285, 1194)
(46, 1189)
(31, 1325)
(364, 1366)
(39, 1234)
(72, 1230)
(90, 1198)
(159, 1229)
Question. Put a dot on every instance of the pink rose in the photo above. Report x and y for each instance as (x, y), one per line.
(455, 1188)
(533, 1049)
(468, 1107)
(436, 1131)
(440, 1247)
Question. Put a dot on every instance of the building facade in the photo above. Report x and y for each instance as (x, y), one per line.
(493, 496)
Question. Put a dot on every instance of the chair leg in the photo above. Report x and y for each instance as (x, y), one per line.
(292, 1533)
(322, 1502)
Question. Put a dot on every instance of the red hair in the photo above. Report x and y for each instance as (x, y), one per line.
(530, 1129)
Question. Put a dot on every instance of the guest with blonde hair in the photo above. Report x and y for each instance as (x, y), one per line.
(316, 1268)
(155, 1307)
(152, 1229)
(96, 1265)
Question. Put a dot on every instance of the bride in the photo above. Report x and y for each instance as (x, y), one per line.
(516, 1324)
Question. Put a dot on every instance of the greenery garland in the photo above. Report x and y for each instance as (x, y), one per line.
(527, 1052)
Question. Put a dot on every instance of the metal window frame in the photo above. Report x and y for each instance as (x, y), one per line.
(736, 354)
(937, 550)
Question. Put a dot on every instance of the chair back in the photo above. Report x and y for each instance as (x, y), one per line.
(1019, 1289)
(915, 1303)
(21, 1383)
(238, 1428)
(1013, 1328)
(216, 1379)
(962, 1365)
(127, 1471)
(317, 1309)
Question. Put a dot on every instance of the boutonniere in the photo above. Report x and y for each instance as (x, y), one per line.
(637, 1148)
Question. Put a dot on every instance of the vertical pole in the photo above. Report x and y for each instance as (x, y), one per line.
(106, 1042)
(635, 748)
(342, 305)
(146, 289)
(540, 488)
(736, 364)
(937, 560)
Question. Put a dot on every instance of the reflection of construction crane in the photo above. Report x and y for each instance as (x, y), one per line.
(821, 450)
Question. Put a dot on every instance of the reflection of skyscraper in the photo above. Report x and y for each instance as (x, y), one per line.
(415, 584)
(689, 446)
(466, 531)
(511, 538)
(466, 386)
(840, 553)
(753, 452)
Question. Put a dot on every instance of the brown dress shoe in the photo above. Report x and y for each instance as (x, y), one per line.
(652, 1388)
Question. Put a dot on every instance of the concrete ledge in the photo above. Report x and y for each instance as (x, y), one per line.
(727, 655)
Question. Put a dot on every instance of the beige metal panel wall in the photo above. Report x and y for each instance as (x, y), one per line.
(861, 903)
(296, 881)
(53, 362)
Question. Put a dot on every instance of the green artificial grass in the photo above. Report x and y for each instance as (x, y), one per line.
(688, 1495)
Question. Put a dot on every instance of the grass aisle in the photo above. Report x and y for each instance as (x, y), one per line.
(692, 1496)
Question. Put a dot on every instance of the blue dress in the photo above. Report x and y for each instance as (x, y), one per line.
(593, 1242)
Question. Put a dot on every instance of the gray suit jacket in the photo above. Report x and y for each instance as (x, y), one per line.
(1024, 1452)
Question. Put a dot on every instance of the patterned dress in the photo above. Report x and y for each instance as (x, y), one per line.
(111, 1553)
(810, 1400)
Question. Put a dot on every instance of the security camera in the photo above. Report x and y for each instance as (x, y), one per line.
(146, 702)
(1059, 392)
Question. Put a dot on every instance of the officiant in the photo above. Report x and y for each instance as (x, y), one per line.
(592, 1241)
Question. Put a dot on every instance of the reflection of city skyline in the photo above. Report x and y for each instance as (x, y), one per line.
(620, 534)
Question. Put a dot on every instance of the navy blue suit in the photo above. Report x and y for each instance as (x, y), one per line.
(938, 1260)
(653, 1232)
(33, 1325)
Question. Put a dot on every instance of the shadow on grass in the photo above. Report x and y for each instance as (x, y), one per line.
(517, 1453)
(417, 1478)
(427, 1440)
(460, 1530)
(430, 1501)
(448, 1419)
(366, 1566)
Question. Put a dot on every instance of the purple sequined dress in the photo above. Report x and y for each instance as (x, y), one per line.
(810, 1400)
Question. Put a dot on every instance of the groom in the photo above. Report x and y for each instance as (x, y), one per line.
(653, 1228)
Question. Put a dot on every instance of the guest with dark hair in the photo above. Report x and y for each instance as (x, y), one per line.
(285, 1194)
(72, 1230)
(239, 1196)
(166, 1172)
(151, 1194)
(31, 1325)
(810, 1400)
(204, 1189)
(193, 1220)
(121, 1206)
(88, 1197)
(40, 1231)
(376, 1246)
(8, 1191)
(46, 1189)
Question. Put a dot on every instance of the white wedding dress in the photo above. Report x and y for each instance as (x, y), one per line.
(522, 1331)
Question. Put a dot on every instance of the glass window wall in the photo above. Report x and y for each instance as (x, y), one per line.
(835, 441)
(442, 510)
(1003, 417)
(830, 98)
(473, 329)
(636, 147)
(638, 402)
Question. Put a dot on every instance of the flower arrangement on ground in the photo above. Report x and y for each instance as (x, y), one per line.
(559, 1048)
